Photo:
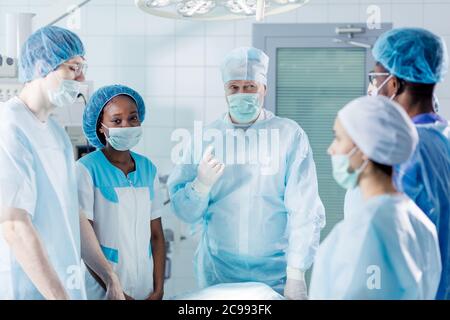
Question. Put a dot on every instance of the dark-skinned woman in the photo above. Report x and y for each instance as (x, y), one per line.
(119, 193)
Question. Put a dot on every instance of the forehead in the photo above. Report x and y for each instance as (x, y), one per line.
(379, 68)
(338, 128)
(120, 104)
(77, 59)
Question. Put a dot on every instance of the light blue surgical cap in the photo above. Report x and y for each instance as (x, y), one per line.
(45, 50)
(245, 63)
(380, 128)
(412, 54)
(96, 104)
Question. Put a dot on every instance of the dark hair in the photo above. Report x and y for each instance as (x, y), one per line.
(387, 170)
(417, 91)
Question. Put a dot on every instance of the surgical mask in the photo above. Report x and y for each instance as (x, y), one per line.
(244, 107)
(436, 104)
(66, 94)
(123, 139)
(375, 91)
(341, 165)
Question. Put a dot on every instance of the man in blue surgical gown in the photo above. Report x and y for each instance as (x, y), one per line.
(255, 193)
(410, 62)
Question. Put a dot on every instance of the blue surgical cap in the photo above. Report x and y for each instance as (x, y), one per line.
(96, 104)
(412, 54)
(245, 63)
(45, 50)
(380, 128)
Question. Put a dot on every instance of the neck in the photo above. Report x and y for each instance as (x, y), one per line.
(414, 107)
(36, 100)
(116, 156)
(375, 184)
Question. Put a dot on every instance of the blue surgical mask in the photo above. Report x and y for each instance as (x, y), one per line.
(123, 139)
(66, 94)
(341, 166)
(244, 107)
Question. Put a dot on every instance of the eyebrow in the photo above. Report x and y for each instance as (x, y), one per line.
(120, 114)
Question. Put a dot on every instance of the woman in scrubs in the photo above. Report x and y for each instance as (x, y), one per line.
(119, 193)
(388, 249)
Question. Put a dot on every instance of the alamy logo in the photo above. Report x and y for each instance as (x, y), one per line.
(374, 279)
(234, 146)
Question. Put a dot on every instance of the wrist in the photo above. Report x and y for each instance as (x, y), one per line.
(295, 274)
(200, 187)
(110, 278)
(58, 292)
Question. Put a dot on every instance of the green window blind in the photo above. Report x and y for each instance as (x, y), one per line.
(312, 85)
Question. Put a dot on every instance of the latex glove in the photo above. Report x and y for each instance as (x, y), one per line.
(295, 288)
(208, 172)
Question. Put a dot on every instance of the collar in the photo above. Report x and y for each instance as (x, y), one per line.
(427, 118)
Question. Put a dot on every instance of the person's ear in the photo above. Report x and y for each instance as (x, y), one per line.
(361, 155)
(396, 85)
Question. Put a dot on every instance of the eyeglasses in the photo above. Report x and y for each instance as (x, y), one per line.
(78, 68)
(373, 76)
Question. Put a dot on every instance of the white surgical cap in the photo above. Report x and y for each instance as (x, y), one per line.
(245, 63)
(380, 128)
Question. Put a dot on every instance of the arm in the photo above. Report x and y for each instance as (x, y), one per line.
(28, 250)
(410, 178)
(306, 215)
(18, 197)
(302, 201)
(94, 258)
(159, 259)
(90, 247)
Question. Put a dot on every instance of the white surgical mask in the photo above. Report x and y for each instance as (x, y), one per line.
(244, 107)
(436, 104)
(341, 166)
(123, 139)
(66, 94)
(374, 90)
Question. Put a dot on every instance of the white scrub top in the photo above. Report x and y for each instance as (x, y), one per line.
(38, 175)
(389, 250)
(121, 208)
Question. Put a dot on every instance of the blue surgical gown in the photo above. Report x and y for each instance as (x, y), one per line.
(425, 178)
(38, 176)
(388, 251)
(262, 214)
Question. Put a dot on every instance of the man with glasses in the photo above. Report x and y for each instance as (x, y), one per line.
(43, 236)
(410, 62)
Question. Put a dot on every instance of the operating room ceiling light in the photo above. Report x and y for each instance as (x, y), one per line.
(217, 9)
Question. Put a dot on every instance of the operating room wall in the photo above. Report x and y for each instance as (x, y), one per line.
(174, 64)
